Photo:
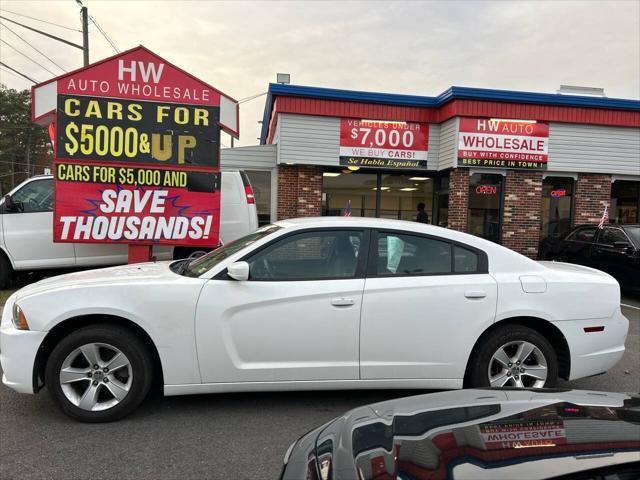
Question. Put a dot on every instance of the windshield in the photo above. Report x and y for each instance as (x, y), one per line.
(634, 233)
(200, 265)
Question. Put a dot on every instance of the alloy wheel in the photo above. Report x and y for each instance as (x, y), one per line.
(518, 364)
(96, 376)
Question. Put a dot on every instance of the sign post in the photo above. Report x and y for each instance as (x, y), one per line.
(136, 153)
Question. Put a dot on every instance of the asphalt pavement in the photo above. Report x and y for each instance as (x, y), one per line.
(230, 436)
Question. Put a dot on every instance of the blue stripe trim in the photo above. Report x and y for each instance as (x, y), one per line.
(462, 93)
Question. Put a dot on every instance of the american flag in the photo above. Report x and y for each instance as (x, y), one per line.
(605, 217)
(347, 211)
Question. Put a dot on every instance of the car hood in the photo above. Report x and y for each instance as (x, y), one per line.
(471, 434)
(143, 272)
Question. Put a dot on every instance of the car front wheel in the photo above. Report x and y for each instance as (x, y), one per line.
(514, 356)
(99, 373)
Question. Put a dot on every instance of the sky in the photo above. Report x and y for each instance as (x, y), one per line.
(415, 47)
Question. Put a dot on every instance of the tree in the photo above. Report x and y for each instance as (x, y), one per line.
(25, 149)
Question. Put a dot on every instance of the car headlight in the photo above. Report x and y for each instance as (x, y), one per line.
(19, 320)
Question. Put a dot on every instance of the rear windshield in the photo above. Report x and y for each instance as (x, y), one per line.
(205, 263)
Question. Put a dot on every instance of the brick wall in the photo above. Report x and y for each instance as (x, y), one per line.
(458, 199)
(521, 214)
(593, 192)
(299, 191)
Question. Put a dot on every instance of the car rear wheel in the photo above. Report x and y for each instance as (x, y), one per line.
(99, 373)
(514, 356)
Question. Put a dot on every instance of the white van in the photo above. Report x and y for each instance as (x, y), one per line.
(26, 230)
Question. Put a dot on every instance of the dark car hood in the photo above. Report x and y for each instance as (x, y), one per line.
(473, 434)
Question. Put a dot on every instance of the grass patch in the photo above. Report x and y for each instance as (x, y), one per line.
(4, 294)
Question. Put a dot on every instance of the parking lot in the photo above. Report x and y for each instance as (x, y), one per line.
(240, 436)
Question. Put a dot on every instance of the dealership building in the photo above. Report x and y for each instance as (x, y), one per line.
(512, 167)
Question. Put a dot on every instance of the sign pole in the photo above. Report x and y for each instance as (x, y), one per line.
(85, 35)
(139, 253)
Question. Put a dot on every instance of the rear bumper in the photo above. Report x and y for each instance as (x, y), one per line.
(595, 352)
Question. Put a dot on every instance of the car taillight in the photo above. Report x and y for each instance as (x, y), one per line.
(249, 193)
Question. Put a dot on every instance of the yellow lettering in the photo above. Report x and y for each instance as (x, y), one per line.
(184, 142)
(135, 114)
(71, 107)
(114, 111)
(200, 115)
(161, 146)
(161, 112)
(93, 109)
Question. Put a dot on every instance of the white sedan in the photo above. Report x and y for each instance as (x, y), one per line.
(316, 303)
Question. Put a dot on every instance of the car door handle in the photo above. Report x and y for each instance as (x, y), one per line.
(475, 294)
(342, 302)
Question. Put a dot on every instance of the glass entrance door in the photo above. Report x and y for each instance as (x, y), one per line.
(485, 206)
(557, 218)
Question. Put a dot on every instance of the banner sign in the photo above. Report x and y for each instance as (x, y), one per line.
(500, 143)
(114, 130)
(121, 204)
(498, 436)
(383, 144)
(137, 149)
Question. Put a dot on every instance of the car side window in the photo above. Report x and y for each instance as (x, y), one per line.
(585, 234)
(400, 254)
(315, 255)
(36, 196)
(611, 235)
(464, 260)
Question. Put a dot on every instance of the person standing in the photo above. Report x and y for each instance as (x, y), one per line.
(422, 216)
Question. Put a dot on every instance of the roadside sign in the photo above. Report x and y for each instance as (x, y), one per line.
(136, 152)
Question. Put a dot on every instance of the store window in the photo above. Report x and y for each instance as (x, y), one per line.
(625, 202)
(485, 206)
(406, 197)
(557, 208)
(261, 185)
(339, 188)
(403, 196)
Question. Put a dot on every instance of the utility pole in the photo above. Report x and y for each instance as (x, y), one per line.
(84, 12)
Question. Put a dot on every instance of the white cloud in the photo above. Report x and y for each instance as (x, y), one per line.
(404, 47)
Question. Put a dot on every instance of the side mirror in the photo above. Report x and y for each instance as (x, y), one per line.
(622, 246)
(10, 205)
(239, 271)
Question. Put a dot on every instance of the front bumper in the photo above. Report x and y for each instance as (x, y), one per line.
(18, 350)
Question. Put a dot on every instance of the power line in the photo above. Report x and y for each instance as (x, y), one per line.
(43, 21)
(19, 73)
(43, 54)
(43, 33)
(246, 99)
(104, 34)
(26, 56)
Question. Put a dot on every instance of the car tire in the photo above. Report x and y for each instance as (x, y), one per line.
(104, 394)
(5, 272)
(494, 362)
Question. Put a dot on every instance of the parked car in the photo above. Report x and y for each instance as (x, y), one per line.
(490, 434)
(26, 229)
(614, 249)
(312, 303)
